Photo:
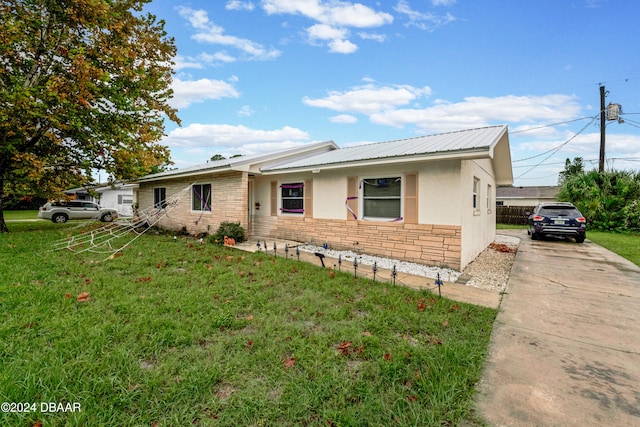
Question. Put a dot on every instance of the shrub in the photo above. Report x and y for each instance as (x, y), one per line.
(229, 229)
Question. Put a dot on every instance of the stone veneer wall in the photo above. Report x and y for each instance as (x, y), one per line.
(431, 244)
(229, 202)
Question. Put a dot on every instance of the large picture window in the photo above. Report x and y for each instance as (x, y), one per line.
(201, 197)
(159, 197)
(382, 198)
(292, 196)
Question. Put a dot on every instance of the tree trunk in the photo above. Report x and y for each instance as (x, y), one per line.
(3, 225)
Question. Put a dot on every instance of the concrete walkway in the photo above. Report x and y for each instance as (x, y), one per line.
(565, 349)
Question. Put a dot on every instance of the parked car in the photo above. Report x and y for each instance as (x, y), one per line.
(61, 212)
(557, 219)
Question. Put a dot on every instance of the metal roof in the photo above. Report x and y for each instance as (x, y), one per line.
(243, 161)
(481, 139)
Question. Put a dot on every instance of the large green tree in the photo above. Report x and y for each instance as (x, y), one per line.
(84, 86)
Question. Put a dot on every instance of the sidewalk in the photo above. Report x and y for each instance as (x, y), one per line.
(454, 291)
(565, 348)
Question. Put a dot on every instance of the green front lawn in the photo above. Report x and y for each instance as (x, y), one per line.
(16, 215)
(625, 245)
(177, 333)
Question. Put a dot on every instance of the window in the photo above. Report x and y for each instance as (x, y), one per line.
(292, 196)
(382, 198)
(476, 191)
(201, 197)
(159, 197)
(488, 197)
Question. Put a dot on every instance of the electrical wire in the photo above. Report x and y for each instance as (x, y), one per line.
(550, 125)
(557, 148)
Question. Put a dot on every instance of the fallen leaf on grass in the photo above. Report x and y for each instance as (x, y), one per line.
(68, 295)
(248, 345)
(366, 334)
(143, 279)
(387, 356)
(83, 297)
(344, 348)
(38, 424)
(289, 362)
(412, 398)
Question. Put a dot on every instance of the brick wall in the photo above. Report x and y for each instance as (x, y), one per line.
(437, 245)
(229, 202)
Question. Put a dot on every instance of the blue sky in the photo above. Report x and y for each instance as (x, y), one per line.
(259, 75)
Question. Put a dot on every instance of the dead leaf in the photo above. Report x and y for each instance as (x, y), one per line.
(367, 334)
(412, 398)
(208, 266)
(38, 424)
(289, 362)
(83, 297)
(387, 356)
(87, 281)
(249, 345)
(455, 307)
(143, 279)
(68, 295)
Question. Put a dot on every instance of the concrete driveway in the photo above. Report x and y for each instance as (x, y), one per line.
(565, 350)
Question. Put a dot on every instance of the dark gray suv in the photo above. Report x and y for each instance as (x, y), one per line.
(560, 219)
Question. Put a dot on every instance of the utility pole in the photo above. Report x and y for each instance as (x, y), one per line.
(603, 124)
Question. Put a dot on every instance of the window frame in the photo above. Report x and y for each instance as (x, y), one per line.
(489, 197)
(282, 198)
(207, 203)
(400, 198)
(158, 201)
(476, 194)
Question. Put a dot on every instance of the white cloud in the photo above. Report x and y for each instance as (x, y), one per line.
(333, 20)
(246, 111)
(443, 2)
(369, 99)
(372, 36)
(343, 118)
(339, 13)
(424, 21)
(208, 32)
(199, 135)
(483, 111)
(182, 62)
(239, 5)
(187, 92)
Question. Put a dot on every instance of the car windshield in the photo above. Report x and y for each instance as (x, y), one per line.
(559, 211)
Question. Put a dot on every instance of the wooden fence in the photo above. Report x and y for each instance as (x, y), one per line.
(512, 214)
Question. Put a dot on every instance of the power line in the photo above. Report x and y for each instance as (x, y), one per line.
(550, 125)
(557, 148)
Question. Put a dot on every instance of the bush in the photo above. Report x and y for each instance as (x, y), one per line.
(229, 229)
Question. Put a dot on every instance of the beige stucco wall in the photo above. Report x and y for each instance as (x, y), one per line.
(479, 225)
(448, 232)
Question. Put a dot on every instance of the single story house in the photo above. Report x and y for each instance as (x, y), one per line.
(429, 199)
(526, 196)
(118, 196)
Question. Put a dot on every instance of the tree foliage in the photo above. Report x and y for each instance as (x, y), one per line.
(609, 200)
(84, 85)
(570, 169)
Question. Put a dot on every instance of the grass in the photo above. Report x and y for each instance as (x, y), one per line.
(20, 215)
(180, 333)
(625, 245)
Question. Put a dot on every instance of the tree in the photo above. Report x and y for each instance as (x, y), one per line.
(571, 169)
(84, 86)
(217, 157)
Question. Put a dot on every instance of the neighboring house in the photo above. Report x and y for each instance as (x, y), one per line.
(117, 196)
(526, 196)
(428, 199)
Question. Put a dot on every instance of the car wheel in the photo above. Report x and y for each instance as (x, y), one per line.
(106, 217)
(580, 239)
(534, 236)
(59, 218)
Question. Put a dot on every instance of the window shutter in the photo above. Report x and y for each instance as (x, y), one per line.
(352, 197)
(274, 198)
(308, 198)
(411, 198)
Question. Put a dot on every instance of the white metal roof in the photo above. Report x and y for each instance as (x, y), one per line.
(451, 144)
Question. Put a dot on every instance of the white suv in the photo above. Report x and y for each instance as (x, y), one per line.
(61, 212)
